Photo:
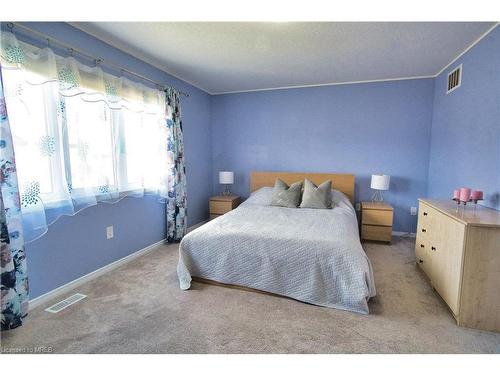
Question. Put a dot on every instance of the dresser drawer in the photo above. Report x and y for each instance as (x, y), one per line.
(425, 214)
(427, 223)
(376, 233)
(422, 256)
(423, 232)
(377, 217)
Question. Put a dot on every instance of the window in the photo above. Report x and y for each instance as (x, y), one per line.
(80, 135)
(29, 115)
(101, 150)
(90, 142)
(83, 134)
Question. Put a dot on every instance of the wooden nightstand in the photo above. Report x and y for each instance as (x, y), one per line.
(223, 204)
(376, 221)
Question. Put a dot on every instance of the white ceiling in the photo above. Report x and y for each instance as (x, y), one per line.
(221, 57)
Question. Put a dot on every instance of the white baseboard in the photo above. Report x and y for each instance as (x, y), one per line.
(63, 289)
(40, 300)
(404, 234)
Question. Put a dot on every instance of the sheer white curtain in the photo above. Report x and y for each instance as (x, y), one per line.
(80, 135)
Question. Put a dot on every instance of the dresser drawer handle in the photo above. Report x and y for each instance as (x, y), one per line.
(422, 245)
(424, 230)
(433, 248)
(425, 213)
(420, 261)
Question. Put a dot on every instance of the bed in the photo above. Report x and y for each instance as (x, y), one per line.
(311, 255)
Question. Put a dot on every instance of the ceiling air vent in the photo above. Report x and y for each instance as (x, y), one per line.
(454, 79)
(65, 303)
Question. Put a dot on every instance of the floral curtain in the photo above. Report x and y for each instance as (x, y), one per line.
(14, 278)
(176, 203)
(83, 136)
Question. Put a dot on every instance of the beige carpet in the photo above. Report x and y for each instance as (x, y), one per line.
(139, 308)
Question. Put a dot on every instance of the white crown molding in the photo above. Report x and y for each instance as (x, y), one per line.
(374, 80)
(163, 68)
(323, 84)
(468, 48)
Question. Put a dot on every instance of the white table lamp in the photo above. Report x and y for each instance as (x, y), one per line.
(226, 178)
(379, 182)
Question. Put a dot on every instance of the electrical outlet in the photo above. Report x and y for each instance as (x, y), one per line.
(413, 211)
(109, 232)
(358, 206)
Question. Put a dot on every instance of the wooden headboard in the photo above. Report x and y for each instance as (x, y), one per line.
(340, 181)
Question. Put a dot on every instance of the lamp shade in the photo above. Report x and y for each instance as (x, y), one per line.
(226, 177)
(380, 181)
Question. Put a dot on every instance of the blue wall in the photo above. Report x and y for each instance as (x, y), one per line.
(465, 147)
(75, 246)
(365, 128)
(384, 127)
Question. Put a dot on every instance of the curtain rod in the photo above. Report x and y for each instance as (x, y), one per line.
(97, 60)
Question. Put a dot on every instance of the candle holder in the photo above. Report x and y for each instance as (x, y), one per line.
(460, 202)
(475, 203)
(463, 209)
(464, 195)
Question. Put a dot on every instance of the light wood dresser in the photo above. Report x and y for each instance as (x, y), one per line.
(376, 221)
(460, 254)
(221, 205)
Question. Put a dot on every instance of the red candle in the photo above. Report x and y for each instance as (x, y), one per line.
(456, 194)
(476, 195)
(464, 194)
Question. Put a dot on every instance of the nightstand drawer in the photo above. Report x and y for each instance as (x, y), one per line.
(220, 207)
(377, 217)
(222, 204)
(376, 233)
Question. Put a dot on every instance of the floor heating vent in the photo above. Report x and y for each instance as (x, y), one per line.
(65, 303)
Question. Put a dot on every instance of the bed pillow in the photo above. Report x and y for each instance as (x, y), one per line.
(260, 197)
(317, 196)
(286, 196)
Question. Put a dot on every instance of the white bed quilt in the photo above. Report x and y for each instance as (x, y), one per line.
(311, 255)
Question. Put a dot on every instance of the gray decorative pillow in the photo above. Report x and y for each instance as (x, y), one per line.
(285, 196)
(317, 196)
